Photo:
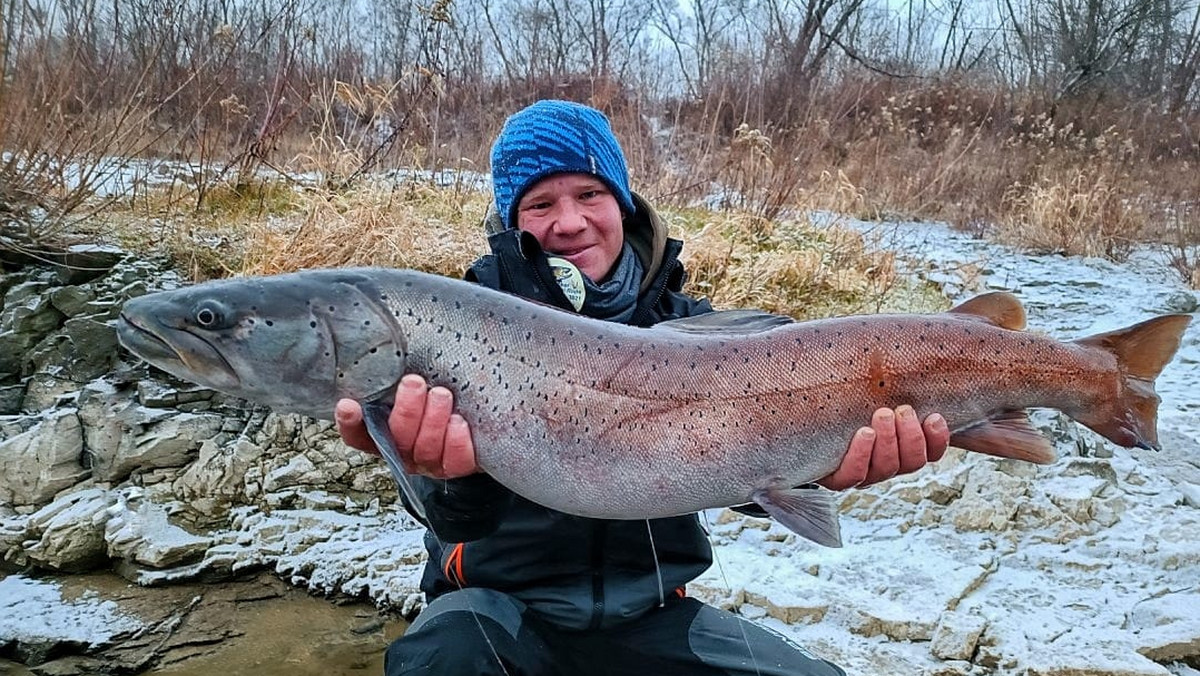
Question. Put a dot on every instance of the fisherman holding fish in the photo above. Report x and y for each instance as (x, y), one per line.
(518, 588)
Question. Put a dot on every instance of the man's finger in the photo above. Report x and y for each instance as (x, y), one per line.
(885, 458)
(429, 446)
(937, 437)
(459, 459)
(348, 416)
(407, 412)
(910, 437)
(855, 464)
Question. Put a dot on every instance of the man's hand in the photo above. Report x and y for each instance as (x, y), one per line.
(431, 438)
(895, 443)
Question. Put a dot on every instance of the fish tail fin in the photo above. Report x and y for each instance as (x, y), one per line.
(1141, 351)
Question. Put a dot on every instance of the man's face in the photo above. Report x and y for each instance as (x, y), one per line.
(576, 217)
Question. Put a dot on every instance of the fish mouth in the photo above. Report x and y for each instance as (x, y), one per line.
(177, 351)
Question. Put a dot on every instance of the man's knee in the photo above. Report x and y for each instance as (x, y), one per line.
(451, 643)
(472, 631)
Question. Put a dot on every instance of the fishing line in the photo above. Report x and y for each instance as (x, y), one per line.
(662, 601)
(708, 530)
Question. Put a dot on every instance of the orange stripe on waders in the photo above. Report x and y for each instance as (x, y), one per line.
(454, 566)
(681, 591)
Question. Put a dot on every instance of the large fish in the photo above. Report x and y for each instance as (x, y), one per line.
(611, 421)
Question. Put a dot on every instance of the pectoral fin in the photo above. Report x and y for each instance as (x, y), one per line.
(807, 512)
(375, 415)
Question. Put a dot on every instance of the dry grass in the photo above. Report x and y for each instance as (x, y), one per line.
(277, 227)
(738, 259)
(409, 225)
(1082, 214)
(735, 257)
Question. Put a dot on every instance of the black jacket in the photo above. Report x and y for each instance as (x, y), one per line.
(574, 572)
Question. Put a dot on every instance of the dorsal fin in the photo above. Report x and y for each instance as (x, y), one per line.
(998, 307)
(732, 322)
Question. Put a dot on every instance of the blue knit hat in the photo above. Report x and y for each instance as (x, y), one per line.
(552, 137)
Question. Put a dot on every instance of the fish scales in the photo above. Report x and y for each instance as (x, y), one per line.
(611, 421)
(626, 415)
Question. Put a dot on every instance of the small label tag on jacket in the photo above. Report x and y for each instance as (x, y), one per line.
(569, 279)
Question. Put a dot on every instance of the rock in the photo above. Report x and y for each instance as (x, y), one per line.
(1094, 467)
(124, 437)
(1075, 496)
(72, 301)
(789, 607)
(10, 398)
(43, 460)
(139, 531)
(23, 324)
(70, 532)
(955, 668)
(1183, 302)
(1191, 495)
(85, 262)
(956, 636)
(156, 394)
(298, 471)
(83, 350)
(1090, 658)
(217, 479)
(1167, 628)
(44, 391)
(891, 621)
(23, 292)
(989, 500)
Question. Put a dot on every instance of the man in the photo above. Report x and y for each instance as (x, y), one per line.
(515, 587)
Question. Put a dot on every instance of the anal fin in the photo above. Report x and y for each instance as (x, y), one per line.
(1006, 435)
(807, 512)
(375, 415)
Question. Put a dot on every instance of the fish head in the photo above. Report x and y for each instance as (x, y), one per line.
(296, 343)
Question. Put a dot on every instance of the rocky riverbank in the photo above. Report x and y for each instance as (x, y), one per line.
(106, 464)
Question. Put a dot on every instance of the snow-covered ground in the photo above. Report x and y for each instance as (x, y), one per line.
(977, 565)
(33, 611)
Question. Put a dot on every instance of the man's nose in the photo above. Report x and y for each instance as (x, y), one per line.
(569, 219)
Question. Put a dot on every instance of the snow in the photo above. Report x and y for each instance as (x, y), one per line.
(34, 611)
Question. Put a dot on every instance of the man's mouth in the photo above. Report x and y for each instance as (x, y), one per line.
(573, 251)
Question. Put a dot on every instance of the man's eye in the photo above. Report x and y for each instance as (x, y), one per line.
(590, 194)
(537, 206)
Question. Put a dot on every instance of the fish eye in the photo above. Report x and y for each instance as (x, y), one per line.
(208, 316)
